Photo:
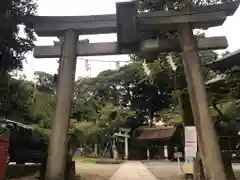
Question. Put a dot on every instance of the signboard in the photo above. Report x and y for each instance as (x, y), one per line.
(190, 141)
(178, 154)
(190, 148)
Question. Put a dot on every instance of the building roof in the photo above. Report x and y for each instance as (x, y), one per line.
(226, 62)
(4, 120)
(157, 133)
(222, 64)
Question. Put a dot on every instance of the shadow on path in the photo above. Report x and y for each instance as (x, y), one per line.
(17, 171)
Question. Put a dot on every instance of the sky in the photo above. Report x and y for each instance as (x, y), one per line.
(230, 29)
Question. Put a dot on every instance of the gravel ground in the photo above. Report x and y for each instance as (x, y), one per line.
(169, 170)
(89, 171)
(164, 171)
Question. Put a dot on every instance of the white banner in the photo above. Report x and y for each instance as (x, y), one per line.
(190, 142)
(190, 148)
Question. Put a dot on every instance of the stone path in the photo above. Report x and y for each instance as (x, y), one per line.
(133, 170)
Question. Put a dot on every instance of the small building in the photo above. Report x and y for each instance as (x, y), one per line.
(159, 140)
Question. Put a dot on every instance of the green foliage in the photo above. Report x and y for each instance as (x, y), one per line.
(226, 86)
(177, 79)
(119, 98)
(43, 107)
(16, 99)
(126, 90)
(44, 99)
(13, 47)
(227, 111)
(227, 124)
(232, 81)
(44, 81)
(157, 5)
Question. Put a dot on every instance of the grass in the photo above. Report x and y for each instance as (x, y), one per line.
(83, 159)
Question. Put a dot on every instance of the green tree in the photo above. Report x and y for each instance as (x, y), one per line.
(13, 47)
(44, 98)
(16, 100)
(45, 81)
(131, 88)
(15, 95)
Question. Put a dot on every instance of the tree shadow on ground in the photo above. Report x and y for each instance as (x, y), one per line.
(22, 171)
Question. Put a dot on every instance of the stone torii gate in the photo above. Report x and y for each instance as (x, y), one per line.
(128, 24)
(123, 132)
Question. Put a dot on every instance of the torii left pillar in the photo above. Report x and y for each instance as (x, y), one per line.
(58, 141)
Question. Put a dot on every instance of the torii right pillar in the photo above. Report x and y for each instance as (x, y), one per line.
(199, 104)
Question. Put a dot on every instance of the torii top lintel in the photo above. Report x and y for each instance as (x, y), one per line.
(200, 17)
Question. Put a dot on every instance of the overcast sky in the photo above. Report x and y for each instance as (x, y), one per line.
(230, 29)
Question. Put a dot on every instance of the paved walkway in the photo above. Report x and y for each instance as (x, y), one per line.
(133, 170)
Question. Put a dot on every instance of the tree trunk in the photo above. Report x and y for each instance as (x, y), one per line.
(228, 167)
